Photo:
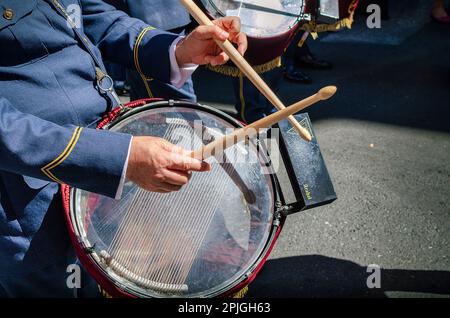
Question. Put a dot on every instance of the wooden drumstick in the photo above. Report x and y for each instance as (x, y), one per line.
(251, 130)
(243, 65)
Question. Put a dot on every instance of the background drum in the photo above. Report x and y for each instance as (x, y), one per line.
(270, 25)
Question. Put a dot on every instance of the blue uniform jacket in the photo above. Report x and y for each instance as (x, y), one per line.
(163, 14)
(48, 96)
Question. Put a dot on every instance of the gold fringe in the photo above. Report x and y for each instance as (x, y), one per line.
(233, 71)
(241, 293)
(103, 292)
(313, 28)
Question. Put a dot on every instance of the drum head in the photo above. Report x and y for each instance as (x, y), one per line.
(267, 18)
(198, 242)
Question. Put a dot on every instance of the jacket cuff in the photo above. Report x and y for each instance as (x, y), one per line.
(179, 74)
(151, 54)
(96, 161)
(124, 174)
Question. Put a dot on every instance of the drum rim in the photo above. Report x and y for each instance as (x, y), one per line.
(244, 278)
(172, 103)
(284, 34)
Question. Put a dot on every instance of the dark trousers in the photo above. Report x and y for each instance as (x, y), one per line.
(294, 52)
(250, 104)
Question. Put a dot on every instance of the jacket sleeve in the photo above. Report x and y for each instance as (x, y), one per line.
(85, 158)
(128, 41)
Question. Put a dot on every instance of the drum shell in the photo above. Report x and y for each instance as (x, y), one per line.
(262, 50)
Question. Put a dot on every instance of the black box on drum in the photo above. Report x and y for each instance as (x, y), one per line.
(305, 167)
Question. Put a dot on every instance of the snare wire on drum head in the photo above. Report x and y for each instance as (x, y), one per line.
(202, 241)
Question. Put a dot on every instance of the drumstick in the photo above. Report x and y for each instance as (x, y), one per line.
(243, 65)
(251, 130)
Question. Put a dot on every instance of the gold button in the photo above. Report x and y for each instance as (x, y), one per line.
(8, 14)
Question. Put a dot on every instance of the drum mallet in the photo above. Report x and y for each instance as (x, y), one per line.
(251, 130)
(243, 65)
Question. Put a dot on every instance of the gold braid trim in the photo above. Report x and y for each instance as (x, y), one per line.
(103, 292)
(136, 60)
(63, 156)
(239, 294)
(233, 71)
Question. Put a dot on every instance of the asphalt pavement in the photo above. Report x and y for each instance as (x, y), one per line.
(386, 139)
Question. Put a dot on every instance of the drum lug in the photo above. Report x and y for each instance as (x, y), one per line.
(90, 249)
(123, 110)
(85, 247)
(280, 211)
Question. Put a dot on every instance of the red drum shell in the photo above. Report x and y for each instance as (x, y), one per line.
(262, 50)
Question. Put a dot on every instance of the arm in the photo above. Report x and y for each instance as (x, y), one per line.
(80, 157)
(90, 159)
(128, 41)
(131, 42)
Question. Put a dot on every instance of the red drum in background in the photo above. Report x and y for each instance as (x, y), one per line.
(270, 25)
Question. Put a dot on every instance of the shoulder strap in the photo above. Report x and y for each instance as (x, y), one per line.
(104, 82)
(79, 34)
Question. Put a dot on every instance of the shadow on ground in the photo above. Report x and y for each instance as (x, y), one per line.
(321, 276)
(405, 84)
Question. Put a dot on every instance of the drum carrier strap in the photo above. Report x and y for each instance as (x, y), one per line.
(105, 83)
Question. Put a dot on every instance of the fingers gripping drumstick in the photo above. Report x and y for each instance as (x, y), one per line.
(243, 65)
(251, 130)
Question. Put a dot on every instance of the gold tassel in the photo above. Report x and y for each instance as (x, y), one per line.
(104, 293)
(314, 28)
(233, 71)
(241, 293)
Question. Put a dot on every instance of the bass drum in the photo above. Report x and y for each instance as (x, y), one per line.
(209, 239)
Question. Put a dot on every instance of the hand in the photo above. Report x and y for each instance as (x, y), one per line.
(199, 46)
(159, 166)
